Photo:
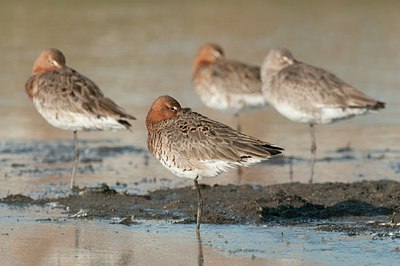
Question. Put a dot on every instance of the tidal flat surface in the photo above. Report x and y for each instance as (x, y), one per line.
(47, 236)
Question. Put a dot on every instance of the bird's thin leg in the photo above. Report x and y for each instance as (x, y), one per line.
(239, 175)
(200, 256)
(238, 127)
(76, 158)
(199, 205)
(313, 151)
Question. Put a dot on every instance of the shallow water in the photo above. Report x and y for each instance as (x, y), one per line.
(42, 168)
(60, 240)
(136, 51)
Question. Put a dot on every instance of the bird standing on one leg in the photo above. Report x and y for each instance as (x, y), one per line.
(308, 94)
(193, 146)
(71, 101)
(224, 84)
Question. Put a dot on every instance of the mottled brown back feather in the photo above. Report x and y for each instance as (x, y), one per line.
(196, 137)
(66, 89)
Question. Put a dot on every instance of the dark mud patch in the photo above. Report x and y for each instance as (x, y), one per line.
(289, 204)
(18, 199)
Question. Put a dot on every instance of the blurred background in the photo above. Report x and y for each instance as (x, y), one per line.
(138, 50)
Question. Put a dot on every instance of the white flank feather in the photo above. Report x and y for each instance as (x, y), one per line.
(76, 121)
(233, 102)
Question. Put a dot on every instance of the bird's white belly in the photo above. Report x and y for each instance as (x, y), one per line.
(205, 168)
(76, 121)
(329, 115)
(233, 102)
(210, 170)
(294, 114)
(319, 115)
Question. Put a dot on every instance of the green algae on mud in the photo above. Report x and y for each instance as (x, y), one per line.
(291, 203)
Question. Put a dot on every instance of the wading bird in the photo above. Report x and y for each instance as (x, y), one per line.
(71, 101)
(224, 84)
(193, 146)
(308, 94)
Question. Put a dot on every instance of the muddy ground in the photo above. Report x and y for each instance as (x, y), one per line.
(291, 203)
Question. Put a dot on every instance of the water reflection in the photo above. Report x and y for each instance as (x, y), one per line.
(82, 242)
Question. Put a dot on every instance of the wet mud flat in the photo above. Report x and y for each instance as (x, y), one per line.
(352, 208)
